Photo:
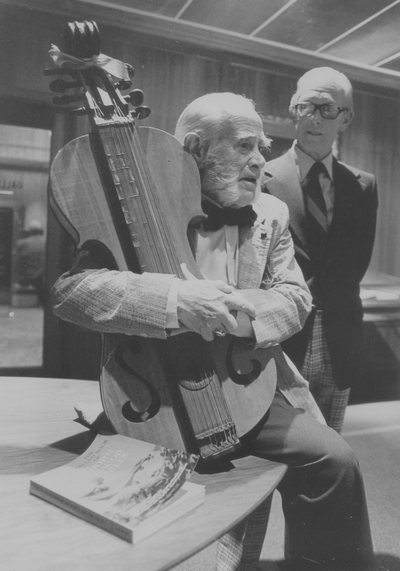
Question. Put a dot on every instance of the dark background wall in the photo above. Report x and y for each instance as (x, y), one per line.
(171, 75)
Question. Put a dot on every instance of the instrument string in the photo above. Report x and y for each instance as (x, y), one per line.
(209, 405)
(131, 198)
(152, 210)
(218, 403)
(206, 405)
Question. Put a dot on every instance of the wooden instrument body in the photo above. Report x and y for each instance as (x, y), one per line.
(81, 203)
(142, 380)
(161, 361)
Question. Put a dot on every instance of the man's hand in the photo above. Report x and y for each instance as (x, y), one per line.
(204, 305)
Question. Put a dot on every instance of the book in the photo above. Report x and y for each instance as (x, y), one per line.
(126, 486)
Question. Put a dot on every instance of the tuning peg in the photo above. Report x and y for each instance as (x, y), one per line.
(142, 112)
(131, 71)
(65, 99)
(60, 86)
(124, 84)
(135, 97)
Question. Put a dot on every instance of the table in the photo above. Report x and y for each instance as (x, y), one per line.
(38, 433)
(379, 375)
(380, 294)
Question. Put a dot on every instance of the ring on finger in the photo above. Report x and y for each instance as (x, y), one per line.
(221, 332)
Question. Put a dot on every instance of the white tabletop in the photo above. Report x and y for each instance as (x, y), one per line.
(38, 433)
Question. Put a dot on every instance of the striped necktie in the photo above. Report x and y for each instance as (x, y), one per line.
(317, 223)
(315, 201)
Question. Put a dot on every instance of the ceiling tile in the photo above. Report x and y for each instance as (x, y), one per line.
(161, 7)
(242, 16)
(393, 65)
(310, 24)
(373, 42)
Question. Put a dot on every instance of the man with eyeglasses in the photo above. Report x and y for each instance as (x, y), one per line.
(333, 218)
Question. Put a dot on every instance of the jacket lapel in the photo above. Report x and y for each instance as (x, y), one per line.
(283, 182)
(347, 191)
(253, 251)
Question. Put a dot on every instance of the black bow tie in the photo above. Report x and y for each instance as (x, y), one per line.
(217, 217)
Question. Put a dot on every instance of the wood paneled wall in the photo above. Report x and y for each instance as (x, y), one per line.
(171, 76)
(372, 144)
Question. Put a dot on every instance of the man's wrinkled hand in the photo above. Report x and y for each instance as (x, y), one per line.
(205, 306)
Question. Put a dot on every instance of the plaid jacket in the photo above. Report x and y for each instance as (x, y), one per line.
(95, 295)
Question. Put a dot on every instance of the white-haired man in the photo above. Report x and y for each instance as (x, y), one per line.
(323, 495)
(332, 221)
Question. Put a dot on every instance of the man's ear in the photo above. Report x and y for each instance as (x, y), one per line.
(348, 118)
(192, 143)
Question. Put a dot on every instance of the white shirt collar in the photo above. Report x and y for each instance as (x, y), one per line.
(305, 162)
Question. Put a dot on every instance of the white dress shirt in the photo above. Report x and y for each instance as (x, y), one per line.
(217, 257)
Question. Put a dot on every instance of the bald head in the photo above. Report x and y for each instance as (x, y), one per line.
(322, 108)
(209, 115)
(324, 79)
(225, 135)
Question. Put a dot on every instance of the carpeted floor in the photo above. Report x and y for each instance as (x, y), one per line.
(373, 430)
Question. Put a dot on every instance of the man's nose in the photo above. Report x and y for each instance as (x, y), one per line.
(316, 116)
(257, 161)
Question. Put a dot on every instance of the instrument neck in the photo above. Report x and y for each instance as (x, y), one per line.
(139, 199)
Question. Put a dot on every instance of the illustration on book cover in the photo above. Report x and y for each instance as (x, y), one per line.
(119, 483)
(130, 494)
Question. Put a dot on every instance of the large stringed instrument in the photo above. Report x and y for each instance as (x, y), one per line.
(135, 190)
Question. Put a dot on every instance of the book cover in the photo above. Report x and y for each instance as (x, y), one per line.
(128, 487)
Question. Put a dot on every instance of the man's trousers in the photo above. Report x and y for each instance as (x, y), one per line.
(323, 499)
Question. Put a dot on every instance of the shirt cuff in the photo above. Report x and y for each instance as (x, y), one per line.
(171, 321)
(245, 328)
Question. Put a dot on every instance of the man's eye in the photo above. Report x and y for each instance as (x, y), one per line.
(245, 145)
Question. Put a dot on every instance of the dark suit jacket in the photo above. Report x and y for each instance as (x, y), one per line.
(333, 278)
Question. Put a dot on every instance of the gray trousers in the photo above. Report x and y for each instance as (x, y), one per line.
(323, 499)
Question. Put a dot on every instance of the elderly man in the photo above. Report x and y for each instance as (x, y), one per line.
(332, 220)
(243, 246)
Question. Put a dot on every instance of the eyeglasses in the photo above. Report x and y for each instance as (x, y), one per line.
(327, 110)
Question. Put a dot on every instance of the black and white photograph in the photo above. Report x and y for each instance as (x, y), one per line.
(200, 285)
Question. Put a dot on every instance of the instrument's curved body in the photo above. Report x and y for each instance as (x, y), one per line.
(135, 190)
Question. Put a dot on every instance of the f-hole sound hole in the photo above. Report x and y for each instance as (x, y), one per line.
(123, 353)
(242, 379)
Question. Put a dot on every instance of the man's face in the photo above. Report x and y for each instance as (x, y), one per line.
(232, 168)
(316, 135)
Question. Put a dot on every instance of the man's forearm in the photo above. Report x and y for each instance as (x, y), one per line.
(114, 302)
(281, 312)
